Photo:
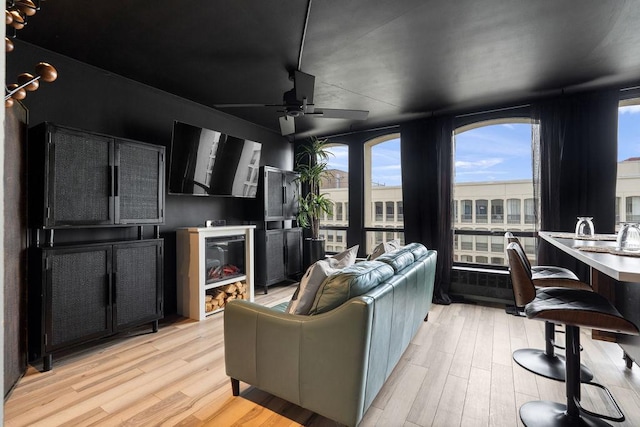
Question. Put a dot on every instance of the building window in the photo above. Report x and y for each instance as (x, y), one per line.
(497, 244)
(400, 212)
(529, 211)
(339, 238)
(481, 211)
(497, 211)
(378, 209)
(467, 210)
(513, 211)
(330, 237)
(390, 211)
(339, 211)
(497, 261)
(482, 260)
(632, 211)
(482, 243)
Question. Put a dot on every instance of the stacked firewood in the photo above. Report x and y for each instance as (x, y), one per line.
(218, 297)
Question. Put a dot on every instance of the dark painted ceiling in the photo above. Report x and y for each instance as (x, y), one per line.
(396, 58)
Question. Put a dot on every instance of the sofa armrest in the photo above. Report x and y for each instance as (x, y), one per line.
(318, 362)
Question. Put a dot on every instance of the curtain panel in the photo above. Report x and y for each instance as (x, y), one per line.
(427, 179)
(578, 166)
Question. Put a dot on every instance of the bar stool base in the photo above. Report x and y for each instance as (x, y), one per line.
(553, 367)
(543, 413)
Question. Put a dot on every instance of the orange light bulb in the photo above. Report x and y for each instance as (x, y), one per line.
(26, 77)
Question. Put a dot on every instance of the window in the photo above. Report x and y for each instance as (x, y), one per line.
(467, 210)
(382, 188)
(390, 236)
(493, 185)
(378, 211)
(330, 213)
(330, 237)
(481, 211)
(336, 186)
(482, 243)
(628, 179)
(390, 211)
(497, 211)
(513, 211)
(632, 211)
(529, 211)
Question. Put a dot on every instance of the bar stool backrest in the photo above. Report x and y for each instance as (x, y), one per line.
(513, 239)
(524, 290)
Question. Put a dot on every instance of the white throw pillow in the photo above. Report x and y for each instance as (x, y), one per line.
(384, 247)
(315, 275)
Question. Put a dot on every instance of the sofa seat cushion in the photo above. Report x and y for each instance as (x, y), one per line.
(351, 282)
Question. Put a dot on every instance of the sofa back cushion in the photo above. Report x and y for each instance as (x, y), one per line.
(398, 259)
(351, 282)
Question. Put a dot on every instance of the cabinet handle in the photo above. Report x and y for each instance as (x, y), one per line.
(115, 287)
(284, 194)
(116, 181)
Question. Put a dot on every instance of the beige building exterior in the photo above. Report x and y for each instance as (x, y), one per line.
(488, 206)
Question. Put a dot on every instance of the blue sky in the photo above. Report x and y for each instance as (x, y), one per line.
(491, 153)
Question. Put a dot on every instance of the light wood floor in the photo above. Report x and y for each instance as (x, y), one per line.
(457, 371)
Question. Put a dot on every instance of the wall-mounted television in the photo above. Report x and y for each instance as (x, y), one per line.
(206, 162)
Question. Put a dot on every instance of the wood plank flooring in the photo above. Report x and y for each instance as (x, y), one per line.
(457, 371)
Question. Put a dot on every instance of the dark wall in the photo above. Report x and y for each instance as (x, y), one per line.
(92, 99)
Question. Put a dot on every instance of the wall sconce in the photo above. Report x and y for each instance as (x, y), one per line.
(16, 18)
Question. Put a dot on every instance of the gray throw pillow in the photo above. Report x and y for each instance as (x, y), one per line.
(315, 275)
(383, 248)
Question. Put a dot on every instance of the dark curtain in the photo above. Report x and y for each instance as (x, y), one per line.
(427, 174)
(578, 155)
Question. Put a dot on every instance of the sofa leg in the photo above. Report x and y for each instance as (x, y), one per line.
(426, 317)
(235, 386)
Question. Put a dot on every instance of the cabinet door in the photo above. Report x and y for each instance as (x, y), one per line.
(76, 295)
(137, 295)
(293, 255)
(291, 194)
(79, 179)
(275, 256)
(273, 194)
(139, 186)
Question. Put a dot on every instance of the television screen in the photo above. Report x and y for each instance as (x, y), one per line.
(207, 162)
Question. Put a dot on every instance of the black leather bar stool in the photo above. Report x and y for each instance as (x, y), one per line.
(574, 308)
(542, 362)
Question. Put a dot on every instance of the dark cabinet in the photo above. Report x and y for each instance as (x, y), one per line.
(82, 179)
(80, 291)
(278, 241)
(84, 292)
(278, 255)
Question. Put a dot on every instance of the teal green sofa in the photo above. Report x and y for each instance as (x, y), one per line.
(336, 361)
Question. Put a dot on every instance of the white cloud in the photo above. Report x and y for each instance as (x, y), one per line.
(478, 164)
(629, 109)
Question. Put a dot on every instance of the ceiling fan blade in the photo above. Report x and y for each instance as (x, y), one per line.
(287, 125)
(303, 84)
(333, 113)
(245, 105)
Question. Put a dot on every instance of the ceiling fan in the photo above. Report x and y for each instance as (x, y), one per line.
(298, 102)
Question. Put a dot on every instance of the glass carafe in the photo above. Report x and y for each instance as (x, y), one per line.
(584, 227)
(629, 238)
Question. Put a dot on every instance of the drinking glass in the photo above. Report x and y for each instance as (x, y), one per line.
(584, 227)
(629, 238)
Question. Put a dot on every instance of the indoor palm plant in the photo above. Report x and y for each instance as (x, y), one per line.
(311, 165)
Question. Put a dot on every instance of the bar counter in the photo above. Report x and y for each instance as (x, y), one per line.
(614, 274)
